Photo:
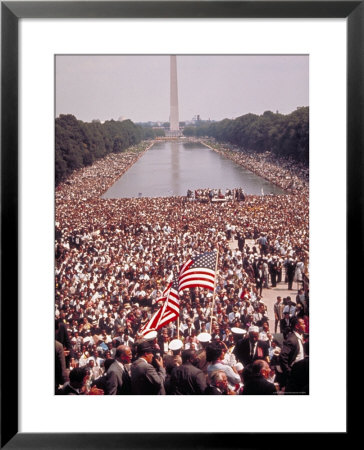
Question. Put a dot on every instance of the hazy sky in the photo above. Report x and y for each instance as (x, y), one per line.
(137, 87)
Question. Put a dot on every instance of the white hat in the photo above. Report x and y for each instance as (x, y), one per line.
(204, 337)
(175, 344)
(150, 336)
(253, 329)
(237, 330)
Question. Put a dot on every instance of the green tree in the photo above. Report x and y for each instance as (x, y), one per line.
(78, 144)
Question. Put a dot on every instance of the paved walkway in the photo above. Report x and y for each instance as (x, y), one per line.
(270, 295)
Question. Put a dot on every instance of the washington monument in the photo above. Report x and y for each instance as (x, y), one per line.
(174, 130)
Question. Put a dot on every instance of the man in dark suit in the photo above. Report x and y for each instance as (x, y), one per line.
(218, 384)
(190, 329)
(241, 240)
(298, 381)
(302, 300)
(101, 382)
(145, 379)
(250, 348)
(76, 386)
(118, 378)
(187, 379)
(293, 348)
(290, 265)
(62, 336)
(60, 365)
(273, 270)
(285, 325)
(163, 342)
(199, 321)
(255, 379)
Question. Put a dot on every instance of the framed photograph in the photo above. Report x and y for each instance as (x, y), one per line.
(330, 35)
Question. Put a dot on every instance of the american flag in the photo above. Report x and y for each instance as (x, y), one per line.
(168, 312)
(164, 294)
(199, 272)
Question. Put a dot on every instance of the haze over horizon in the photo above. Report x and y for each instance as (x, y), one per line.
(215, 87)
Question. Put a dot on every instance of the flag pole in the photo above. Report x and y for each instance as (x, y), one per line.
(213, 297)
(165, 305)
(178, 327)
(163, 308)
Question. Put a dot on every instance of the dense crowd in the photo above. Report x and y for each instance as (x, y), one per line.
(205, 195)
(283, 172)
(114, 258)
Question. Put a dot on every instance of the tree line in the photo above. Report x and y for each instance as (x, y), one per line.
(283, 135)
(79, 144)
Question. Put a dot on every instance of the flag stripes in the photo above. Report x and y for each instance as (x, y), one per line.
(199, 272)
(168, 311)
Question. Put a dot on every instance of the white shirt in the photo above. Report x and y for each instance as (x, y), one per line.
(301, 353)
(120, 365)
(253, 347)
(290, 309)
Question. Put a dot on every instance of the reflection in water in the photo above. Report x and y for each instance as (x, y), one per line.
(171, 168)
(175, 172)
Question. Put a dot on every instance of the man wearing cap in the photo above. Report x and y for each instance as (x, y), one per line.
(118, 378)
(250, 348)
(145, 379)
(187, 379)
(200, 360)
(173, 357)
(237, 334)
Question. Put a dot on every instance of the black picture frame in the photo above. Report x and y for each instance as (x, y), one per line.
(11, 12)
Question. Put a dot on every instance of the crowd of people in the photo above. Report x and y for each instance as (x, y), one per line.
(206, 195)
(114, 258)
(286, 173)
